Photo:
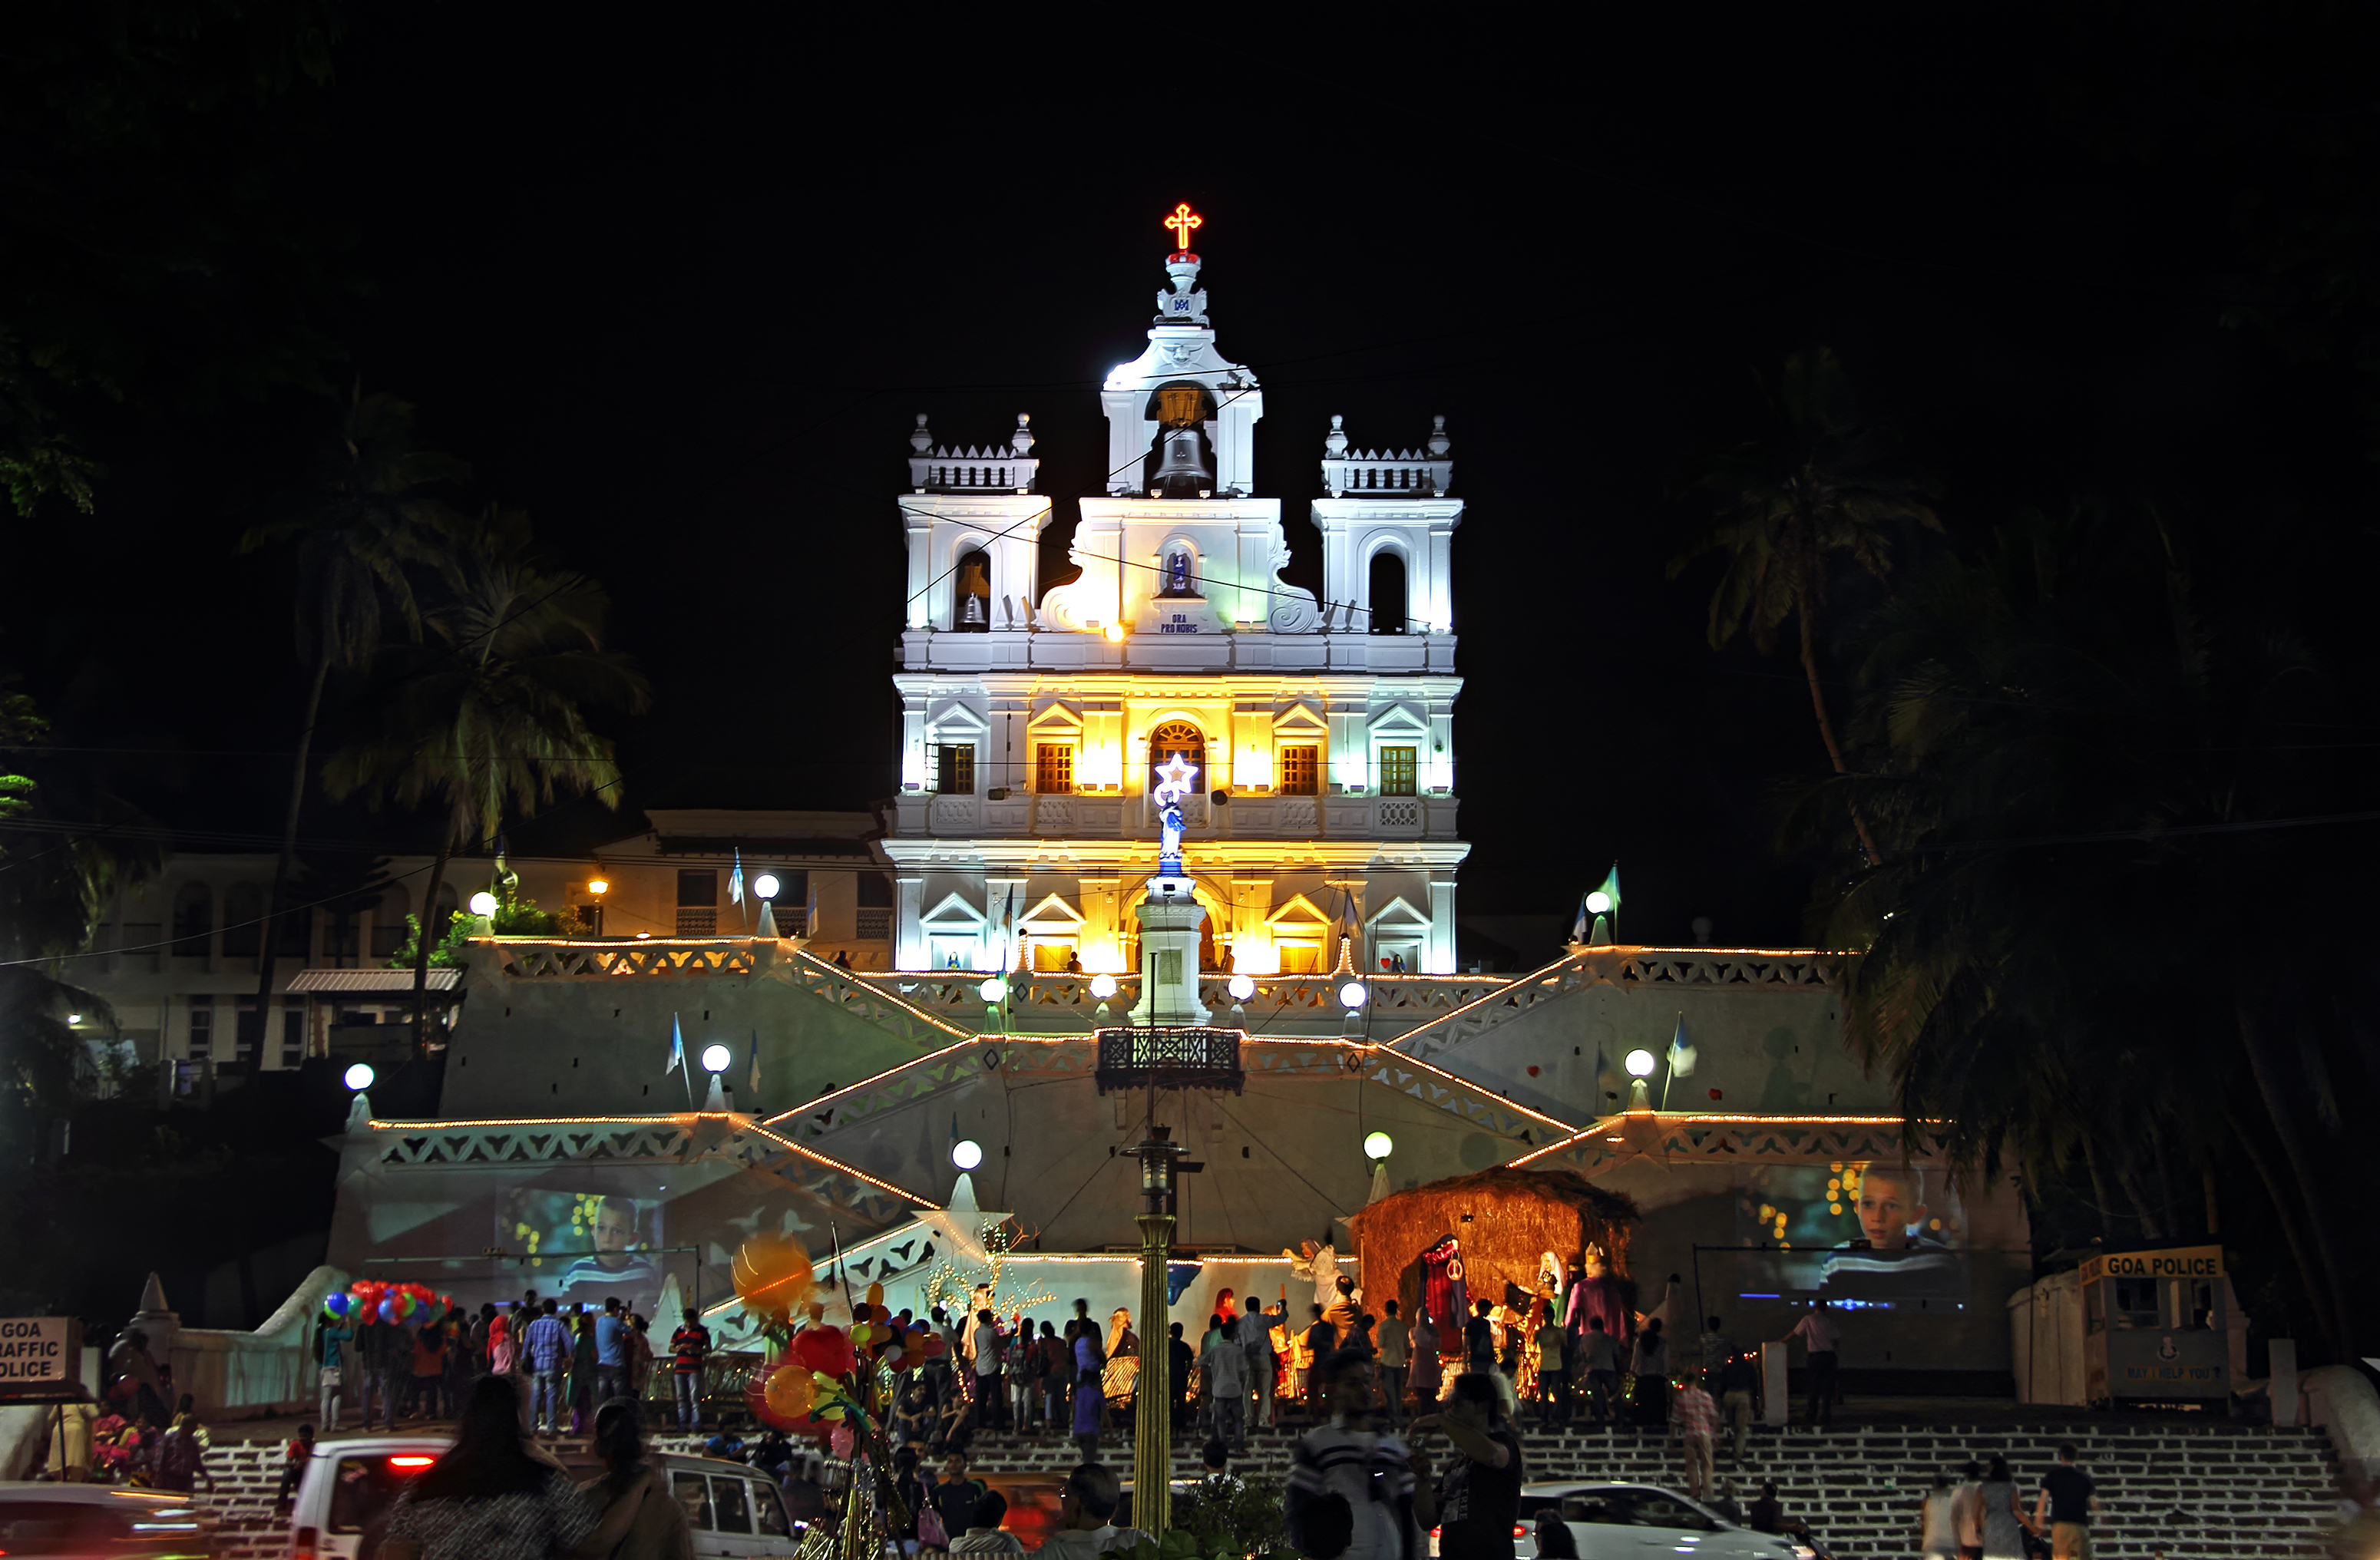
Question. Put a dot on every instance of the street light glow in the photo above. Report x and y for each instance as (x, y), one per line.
(359, 1077)
(598, 886)
(715, 1059)
(1115, 633)
(1640, 1064)
(1351, 996)
(483, 903)
(1103, 985)
(1242, 987)
(1377, 1145)
(765, 885)
(993, 991)
(966, 1153)
(1597, 902)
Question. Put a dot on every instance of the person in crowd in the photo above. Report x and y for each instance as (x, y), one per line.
(1739, 1382)
(1351, 1490)
(1553, 1403)
(1122, 1368)
(610, 1352)
(523, 1317)
(190, 1405)
(1179, 1360)
(1225, 1369)
(429, 1371)
(331, 1352)
(772, 1453)
(2005, 1528)
(1216, 1480)
(1937, 1522)
(690, 1354)
(1057, 1374)
(377, 1342)
(1089, 1405)
(1967, 1510)
(1208, 1341)
(1479, 1339)
(1598, 1367)
(990, 1390)
(294, 1459)
(1086, 1525)
(179, 1459)
(549, 1355)
(911, 1487)
(955, 1497)
(1263, 1361)
(2068, 1501)
(1698, 1421)
(1651, 1369)
(1716, 1347)
(659, 1529)
(807, 1503)
(494, 1496)
(1428, 1373)
(986, 1536)
(1395, 1346)
(1023, 1375)
(1344, 1313)
(725, 1445)
(582, 1374)
(1475, 1503)
(1511, 1333)
(639, 1350)
(503, 1340)
(1321, 1341)
(1725, 1503)
(1816, 1329)
(1555, 1541)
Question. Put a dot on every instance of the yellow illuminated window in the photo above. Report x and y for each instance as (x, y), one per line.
(1399, 771)
(1300, 772)
(1054, 767)
(1300, 958)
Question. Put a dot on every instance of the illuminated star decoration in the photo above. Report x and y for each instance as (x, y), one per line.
(1173, 778)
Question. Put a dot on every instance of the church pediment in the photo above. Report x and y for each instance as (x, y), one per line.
(1399, 721)
(1300, 720)
(1298, 911)
(954, 719)
(1398, 915)
(1052, 911)
(952, 914)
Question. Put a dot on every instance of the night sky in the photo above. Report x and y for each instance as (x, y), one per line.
(680, 293)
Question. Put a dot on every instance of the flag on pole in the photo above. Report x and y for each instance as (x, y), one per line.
(677, 1048)
(810, 916)
(1611, 893)
(1682, 1052)
(754, 1081)
(735, 878)
(1578, 927)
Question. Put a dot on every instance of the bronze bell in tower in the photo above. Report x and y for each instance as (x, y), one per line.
(1183, 470)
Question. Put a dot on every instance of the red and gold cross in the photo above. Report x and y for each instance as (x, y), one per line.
(1185, 221)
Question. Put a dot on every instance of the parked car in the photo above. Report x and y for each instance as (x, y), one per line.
(344, 1499)
(76, 1521)
(1610, 1520)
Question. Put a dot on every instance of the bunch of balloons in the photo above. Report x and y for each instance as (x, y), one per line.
(824, 1383)
(390, 1303)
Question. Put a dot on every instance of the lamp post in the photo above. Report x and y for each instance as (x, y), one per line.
(1152, 1442)
(598, 887)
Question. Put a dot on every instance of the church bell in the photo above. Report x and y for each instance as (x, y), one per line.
(1182, 471)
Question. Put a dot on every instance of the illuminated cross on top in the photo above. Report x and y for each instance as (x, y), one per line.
(1185, 221)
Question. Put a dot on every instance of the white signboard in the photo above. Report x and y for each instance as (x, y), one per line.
(36, 1352)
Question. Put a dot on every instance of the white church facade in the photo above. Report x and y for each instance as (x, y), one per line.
(1035, 720)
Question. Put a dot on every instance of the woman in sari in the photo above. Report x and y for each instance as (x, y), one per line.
(1124, 1361)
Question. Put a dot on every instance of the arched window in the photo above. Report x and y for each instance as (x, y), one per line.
(1386, 592)
(1180, 463)
(1177, 739)
(194, 917)
(971, 593)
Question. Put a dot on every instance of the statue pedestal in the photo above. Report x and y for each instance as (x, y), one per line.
(1170, 918)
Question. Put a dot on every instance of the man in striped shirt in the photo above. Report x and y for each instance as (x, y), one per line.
(1696, 1420)
(1351, 1487)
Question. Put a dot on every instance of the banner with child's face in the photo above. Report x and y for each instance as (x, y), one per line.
(1892, 1206)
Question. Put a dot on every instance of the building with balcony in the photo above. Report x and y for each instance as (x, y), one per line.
(1036, 715)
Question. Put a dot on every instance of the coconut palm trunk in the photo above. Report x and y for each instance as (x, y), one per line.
(1827, 729)
(268, 933)
(424, 940)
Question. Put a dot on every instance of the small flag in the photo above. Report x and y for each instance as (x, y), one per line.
(677, 1049)
(1578, 927)
(810, 916)
(1682, 1052)
(1612, 886)
(735, 878)
(754, 1081)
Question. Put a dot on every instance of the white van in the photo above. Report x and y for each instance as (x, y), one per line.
(344, 1500)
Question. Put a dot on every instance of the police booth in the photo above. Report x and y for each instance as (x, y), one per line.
(2156, 1326)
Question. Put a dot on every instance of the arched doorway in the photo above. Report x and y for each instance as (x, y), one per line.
(1386, 592)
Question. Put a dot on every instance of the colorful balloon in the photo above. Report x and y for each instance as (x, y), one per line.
(772, 1276)
(826, 1349)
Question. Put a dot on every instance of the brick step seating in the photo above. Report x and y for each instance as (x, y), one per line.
(2183, 1489)
(2197, 1491)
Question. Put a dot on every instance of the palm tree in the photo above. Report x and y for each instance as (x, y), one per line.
(487, 720)
(1785, 506)
(373, 511)
(2084, 940)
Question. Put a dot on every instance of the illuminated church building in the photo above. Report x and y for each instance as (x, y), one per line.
(1035, 722)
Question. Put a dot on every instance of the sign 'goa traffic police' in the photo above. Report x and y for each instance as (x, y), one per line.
(36, 1352)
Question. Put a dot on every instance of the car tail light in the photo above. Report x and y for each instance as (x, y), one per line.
(1519, 1532)
(303, 1547)
(411, 1462)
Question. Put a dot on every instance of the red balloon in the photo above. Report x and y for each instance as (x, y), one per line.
(825, 1349)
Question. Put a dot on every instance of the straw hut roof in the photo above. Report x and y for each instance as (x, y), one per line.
(1516, 1216)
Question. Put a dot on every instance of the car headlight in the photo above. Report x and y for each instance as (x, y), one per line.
(1804, 1552)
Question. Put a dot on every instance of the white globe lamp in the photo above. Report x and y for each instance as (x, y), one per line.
(1598, 902)
(765, 885)
(715, 1059)
(483, 903)
(1242, 987)
(1640, 1064)
(359, 1077)
(1103, 985)
(966, 1153)
(1351, 996)
(993, 991)
(1378, 1146)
